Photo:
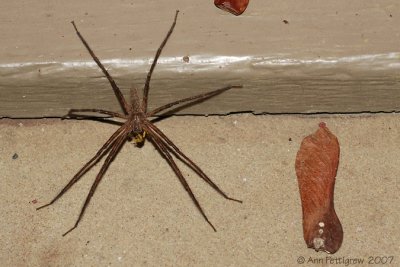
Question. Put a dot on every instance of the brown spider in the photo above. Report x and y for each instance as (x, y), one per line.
(138, 127)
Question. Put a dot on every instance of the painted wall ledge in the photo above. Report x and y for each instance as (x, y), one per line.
(331, 57)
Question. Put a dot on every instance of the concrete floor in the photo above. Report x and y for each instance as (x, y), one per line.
(141, 216)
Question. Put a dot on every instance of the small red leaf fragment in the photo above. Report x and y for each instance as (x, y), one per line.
(316, 166)
(236, 7)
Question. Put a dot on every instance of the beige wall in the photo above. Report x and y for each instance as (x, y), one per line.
(332, 56)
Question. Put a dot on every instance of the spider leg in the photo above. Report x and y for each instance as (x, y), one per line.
(161, 147)
(99, 155)
(153, 65)
(185, 159)
(195, 98)
(71, 113)
(116, 146)
(117, 91)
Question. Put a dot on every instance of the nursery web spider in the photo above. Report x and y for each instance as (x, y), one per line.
(138, 127)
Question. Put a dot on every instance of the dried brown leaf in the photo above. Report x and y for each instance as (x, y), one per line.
(236, 7)
(316, 166)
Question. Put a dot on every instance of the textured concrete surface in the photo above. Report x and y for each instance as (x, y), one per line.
(141, 215)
